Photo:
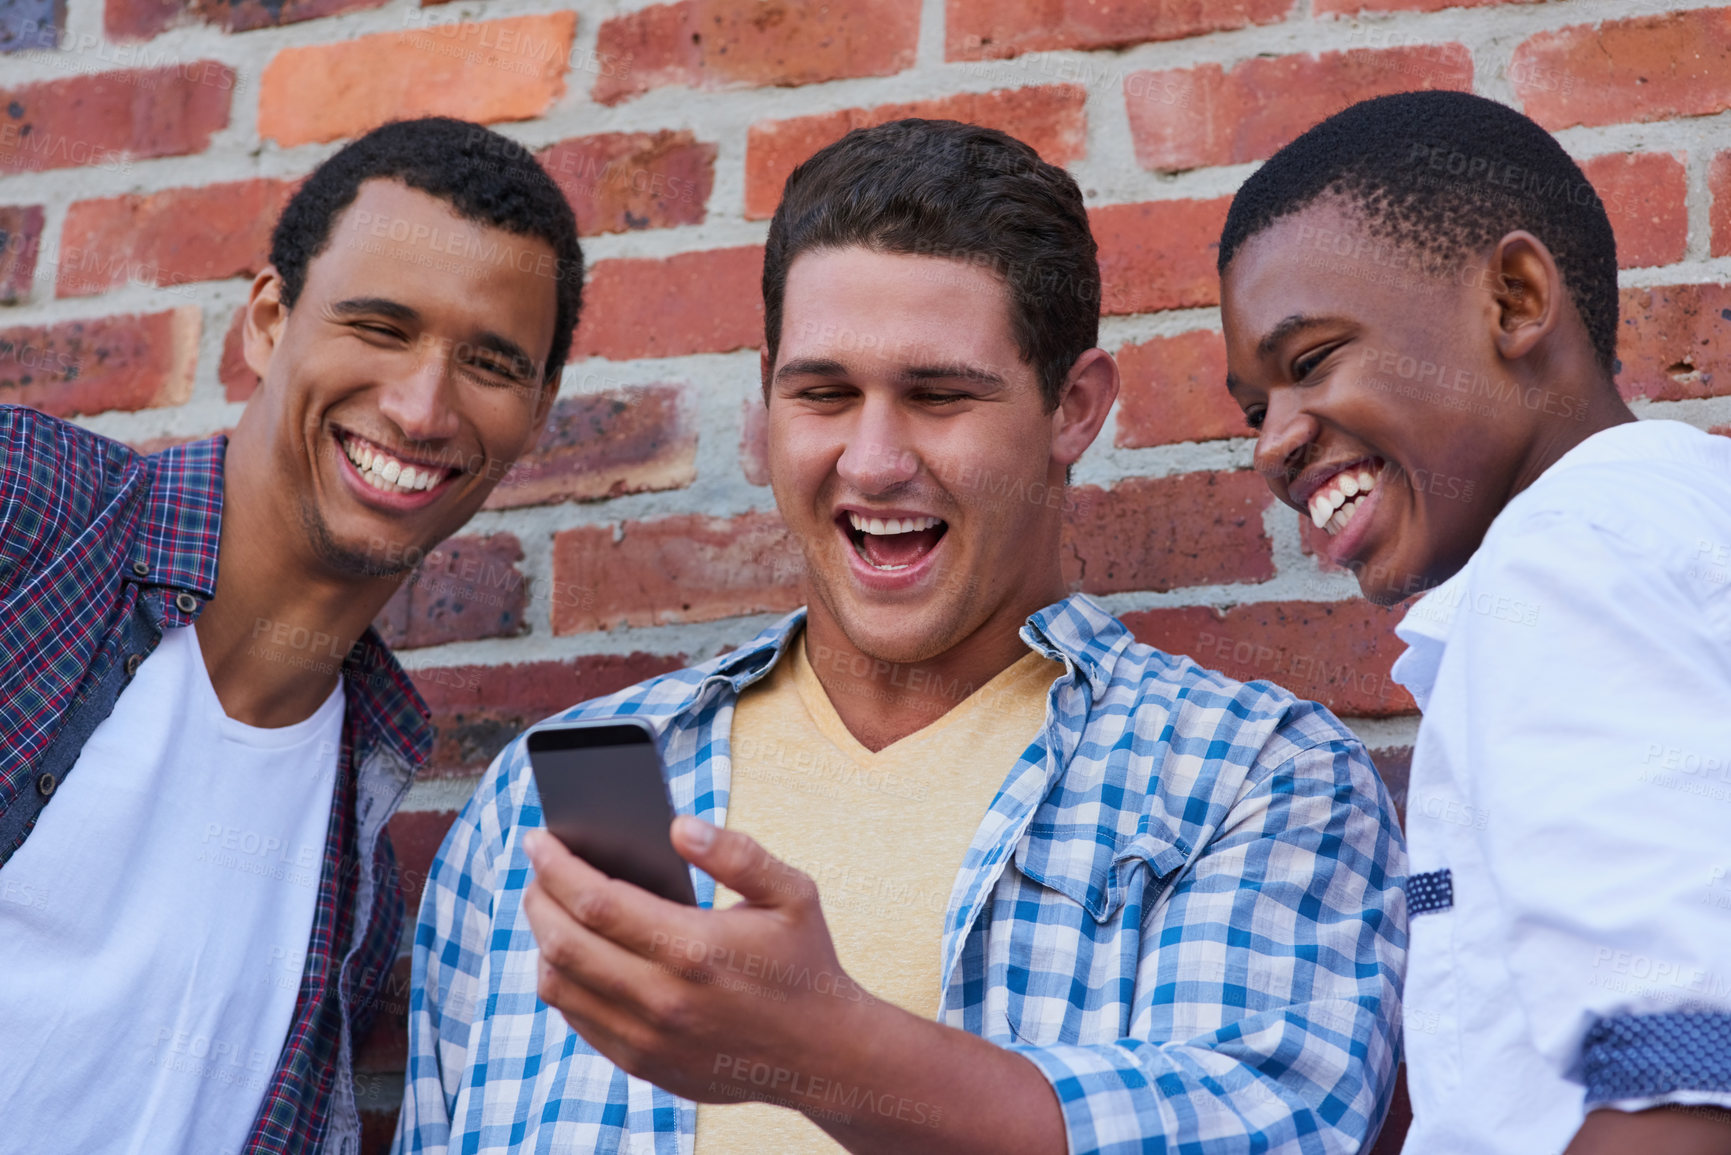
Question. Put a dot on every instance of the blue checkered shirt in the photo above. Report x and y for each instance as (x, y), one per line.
(1183, 905)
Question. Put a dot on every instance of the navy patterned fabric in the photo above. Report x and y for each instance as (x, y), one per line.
(1430, 892)
(1642, 1056)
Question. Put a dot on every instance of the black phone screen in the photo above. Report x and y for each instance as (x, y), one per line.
(604, 795)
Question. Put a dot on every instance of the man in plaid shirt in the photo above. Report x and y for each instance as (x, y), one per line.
(201, 736)
(976, 871)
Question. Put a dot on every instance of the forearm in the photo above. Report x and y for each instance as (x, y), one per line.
(902, 1085)
(1662, 1131)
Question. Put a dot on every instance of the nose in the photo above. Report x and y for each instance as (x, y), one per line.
(420, 400)
(1285, 442)
(878, 456)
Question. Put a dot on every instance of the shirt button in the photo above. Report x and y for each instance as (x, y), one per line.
(140, 568)
(45, 785)
(132, 661)
(185, 602)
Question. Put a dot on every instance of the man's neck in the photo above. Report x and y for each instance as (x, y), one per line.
(882, 702)
(275, 635)
(1554, 437)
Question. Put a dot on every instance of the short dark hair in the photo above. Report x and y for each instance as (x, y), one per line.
(1445, 173)
(487, 178)
(945, 189)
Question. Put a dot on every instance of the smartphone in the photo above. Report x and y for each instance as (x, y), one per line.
(604, 795)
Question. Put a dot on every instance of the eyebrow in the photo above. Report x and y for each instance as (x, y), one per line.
(827, 367)
(376, 306)
(1295, 323)
(522, 365)
(951, 372)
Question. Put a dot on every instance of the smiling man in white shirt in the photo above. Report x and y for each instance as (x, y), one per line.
(1420, 310)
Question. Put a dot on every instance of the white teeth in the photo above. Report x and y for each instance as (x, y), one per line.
(880, 525)
(387, 474)
(1331, 506)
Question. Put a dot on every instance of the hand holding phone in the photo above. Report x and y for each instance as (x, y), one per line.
(604, 795)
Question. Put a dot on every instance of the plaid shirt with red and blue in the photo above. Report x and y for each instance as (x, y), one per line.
(94, 534)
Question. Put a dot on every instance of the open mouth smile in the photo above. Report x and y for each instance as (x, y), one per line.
(893, 544)
(389, 473)
(1342, 494)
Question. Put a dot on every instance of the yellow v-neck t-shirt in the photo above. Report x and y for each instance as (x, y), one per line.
(883, 834)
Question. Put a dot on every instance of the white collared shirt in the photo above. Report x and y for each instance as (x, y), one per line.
(1569, 810)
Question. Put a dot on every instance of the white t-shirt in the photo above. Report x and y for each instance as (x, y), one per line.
(1573, 778)
(154, 925)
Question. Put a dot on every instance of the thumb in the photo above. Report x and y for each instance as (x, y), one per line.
(738, 862)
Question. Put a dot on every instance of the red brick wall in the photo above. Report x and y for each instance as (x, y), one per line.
(146, 144)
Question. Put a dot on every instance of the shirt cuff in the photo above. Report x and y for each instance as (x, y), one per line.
(1678, 1056)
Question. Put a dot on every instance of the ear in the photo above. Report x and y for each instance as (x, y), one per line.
(265, 317)
(1528, 293)
(1089, 390)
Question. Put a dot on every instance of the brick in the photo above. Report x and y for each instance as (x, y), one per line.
(622, 181)
(172, 237)
(1392, 1137)
(1051, 119)
(238, 379)
(491, 71)
(1175, 390)
(685, 568)
(468, 587)
(136, 361)
(1158, 254)
(478, 709)
(1352, 7)
(1645, 195)
(999, 29)
(703, 302)
(1394, 766)
(1674, 342)
(602, 445)
(1642, 69)
(1719, 188)
(20, 242)
(415, 836)
(132, 20)
(31, 24)
(1336, 653)
(754, 441)
(1188, 118)
(112, 118)
(713, 44)
(1163, 533)
(150, 445)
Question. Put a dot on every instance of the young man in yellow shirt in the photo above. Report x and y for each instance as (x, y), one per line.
(976, 870)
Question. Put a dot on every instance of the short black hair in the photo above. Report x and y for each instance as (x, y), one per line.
(945, 189)
(487, 178)
(1445, 173)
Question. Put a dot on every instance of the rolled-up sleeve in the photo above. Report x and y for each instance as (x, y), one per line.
(1266, 1015)
(1599, 731)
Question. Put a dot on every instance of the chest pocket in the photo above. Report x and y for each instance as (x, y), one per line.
(1072, 947)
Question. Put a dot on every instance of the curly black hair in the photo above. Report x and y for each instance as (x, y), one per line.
(487, 178)
(1446, 174)
(946, 189)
